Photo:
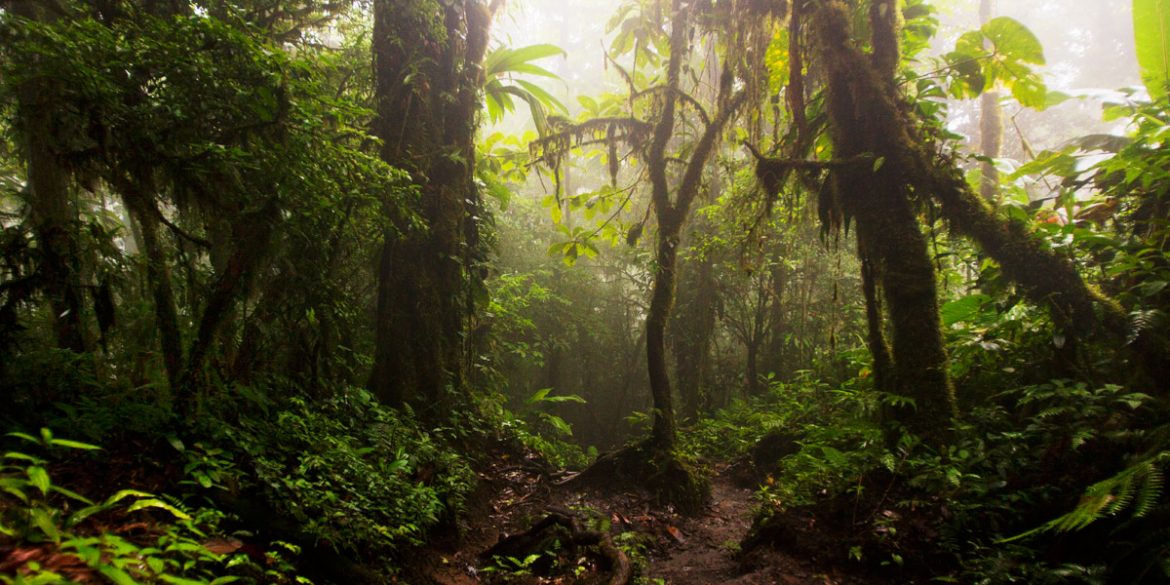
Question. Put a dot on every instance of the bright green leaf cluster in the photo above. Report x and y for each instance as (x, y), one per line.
(1000, 53)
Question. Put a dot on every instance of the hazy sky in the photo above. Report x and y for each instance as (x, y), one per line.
(1088, 43)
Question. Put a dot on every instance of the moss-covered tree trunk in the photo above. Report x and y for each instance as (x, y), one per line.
(427, 57)
(251, 236)
(774, 352)
(671, 214)
(139, 203)
(691, 331)
(864, 122)
(54, 218)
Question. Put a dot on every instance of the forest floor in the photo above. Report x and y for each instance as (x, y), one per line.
(675, 549)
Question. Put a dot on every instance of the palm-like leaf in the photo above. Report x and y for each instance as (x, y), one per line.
(501, 88)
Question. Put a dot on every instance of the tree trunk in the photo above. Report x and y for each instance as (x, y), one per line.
(990, 127)
(54, 219)
(661, 300)
(875, 338)
(427, 57)
(251, 234)
(754, 387)
(691, 331)
(158, 274)
(671, 216)
(864, 121)
(773, 361)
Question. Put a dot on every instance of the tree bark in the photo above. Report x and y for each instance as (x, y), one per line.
(158, 274)
(864, 120)
(691, 331)
(251, 235)
(427, 57)
(671, 216)
(990, 127)
(54, 219)
(875, 338)
(1047, 278)
(773, 361)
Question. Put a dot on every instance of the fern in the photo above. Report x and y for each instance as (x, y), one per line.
(1142, 321)
(1136, 488)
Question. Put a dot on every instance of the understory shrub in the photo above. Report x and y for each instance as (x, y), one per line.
(353, 474)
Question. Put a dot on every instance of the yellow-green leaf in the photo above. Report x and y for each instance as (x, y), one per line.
(1151, 31)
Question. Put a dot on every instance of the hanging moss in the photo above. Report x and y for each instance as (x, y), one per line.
(864, 120)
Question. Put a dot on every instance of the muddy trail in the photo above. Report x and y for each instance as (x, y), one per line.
(663, 545)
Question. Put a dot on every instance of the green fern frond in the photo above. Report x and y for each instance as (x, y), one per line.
(1136, 488)
(1141, 321)
(1149, 492)
(1053, 411)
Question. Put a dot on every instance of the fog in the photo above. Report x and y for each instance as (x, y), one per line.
(1088, 45)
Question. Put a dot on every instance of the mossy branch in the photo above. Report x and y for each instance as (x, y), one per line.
(610, 130)
(682, 96)
(772, 172)
(1046, 277)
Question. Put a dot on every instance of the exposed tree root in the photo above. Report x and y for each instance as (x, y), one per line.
(566, 527)
(643, 465)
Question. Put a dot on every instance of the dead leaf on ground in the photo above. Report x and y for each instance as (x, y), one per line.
(223, 546)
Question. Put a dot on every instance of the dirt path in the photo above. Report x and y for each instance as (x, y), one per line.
(702, 549)
(706, 551)
(709, 551)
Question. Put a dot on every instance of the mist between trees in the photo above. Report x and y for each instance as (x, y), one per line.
(319, 277)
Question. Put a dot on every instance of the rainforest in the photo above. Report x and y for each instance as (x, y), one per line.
(622, 292)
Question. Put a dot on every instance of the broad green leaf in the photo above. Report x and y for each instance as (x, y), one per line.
(44, 521)
(1014, 41)
(964, 309)
(22, 457)
(14, 486)
(559, 424)
(538, 396)
(118, 576)
(588, 103)
(564, 398)
(504, 60)
(546, 98)
(72, 495)
(1030, 91)
(123, 494)
(970, 44)
(39, 478)
(1151, 31)
(79, 516)
(531, 69)
(155, 503)
(24, 436)
(1055, 98)
(179, 580)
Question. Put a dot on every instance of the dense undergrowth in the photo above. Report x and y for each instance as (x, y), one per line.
(261, 490)
(1049, 483)
(202, 369)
